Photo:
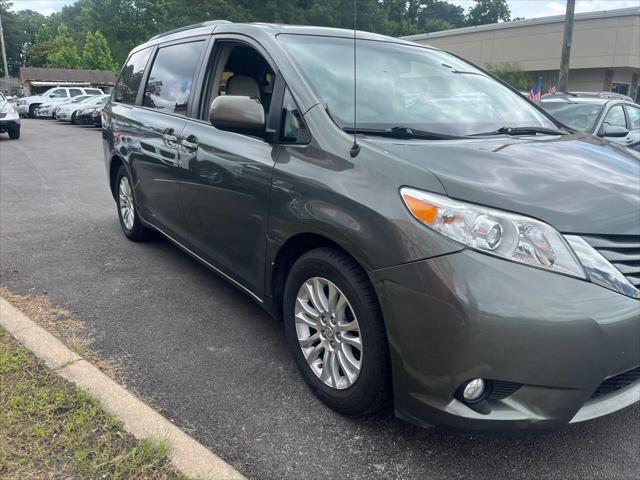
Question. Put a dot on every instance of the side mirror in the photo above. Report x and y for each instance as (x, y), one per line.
(237, 113)
(612, 131)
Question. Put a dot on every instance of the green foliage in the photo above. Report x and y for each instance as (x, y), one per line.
(33, 39)
(513, 75)
(96, 54)
(64, 53)
(489, 11)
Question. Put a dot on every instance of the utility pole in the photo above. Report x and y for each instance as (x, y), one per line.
(563, 80)
(4, 53)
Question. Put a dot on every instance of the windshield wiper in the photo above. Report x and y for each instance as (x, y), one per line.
(403, 132)
(522, 131)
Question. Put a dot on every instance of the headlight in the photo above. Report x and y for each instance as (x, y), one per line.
(506, 235)
(8, 108)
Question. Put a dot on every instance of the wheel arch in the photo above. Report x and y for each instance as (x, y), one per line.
(287, 254)
(114, 165)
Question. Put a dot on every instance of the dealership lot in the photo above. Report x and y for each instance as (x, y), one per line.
(213, 361)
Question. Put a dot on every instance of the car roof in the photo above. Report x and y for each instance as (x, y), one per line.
(273, 29)
(585, 100)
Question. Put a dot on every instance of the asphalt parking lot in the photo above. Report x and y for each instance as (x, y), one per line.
(217, 365)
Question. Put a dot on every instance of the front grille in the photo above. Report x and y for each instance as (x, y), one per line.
(617, 382)
(623, 251)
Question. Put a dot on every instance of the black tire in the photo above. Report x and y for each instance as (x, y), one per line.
(138, 232)
(32, 109)
(14, 133)
(370, 394)
(73, 118)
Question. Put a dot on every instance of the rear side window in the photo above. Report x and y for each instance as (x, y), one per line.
(92, 91)
(171, 77)
(126, 90)
(74, 92)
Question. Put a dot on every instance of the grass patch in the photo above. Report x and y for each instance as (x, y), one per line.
(51, 429)
(62, 323)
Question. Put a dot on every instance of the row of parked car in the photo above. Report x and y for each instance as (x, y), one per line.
(81, 106)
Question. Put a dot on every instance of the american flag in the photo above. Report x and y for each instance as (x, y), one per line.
(553, 89)
(536, 91)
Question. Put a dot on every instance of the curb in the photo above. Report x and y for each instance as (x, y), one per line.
(188, 456)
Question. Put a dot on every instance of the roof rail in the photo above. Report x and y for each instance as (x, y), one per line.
(189, 27)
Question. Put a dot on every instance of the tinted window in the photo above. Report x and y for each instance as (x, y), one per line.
(293, 130)
(171, 77)
(615, 117)
(634, 117)
(127, 87)
(59, 93)
(74, 92)
(93, 91)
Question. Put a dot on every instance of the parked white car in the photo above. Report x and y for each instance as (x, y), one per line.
(27, 105)
(48, 110)
(9, 119)
(67, 113)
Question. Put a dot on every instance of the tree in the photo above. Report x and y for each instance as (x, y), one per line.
(64, 54)
(513, 75)
(488, 11)
(96, 54)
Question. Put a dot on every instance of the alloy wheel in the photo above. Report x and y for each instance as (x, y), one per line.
(328, 333)
(127, 210)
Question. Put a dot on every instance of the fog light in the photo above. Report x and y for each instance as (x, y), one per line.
(473, 390)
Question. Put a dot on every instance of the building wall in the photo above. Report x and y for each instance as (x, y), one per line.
(597, 43)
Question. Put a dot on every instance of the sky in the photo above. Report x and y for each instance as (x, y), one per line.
(519, 8)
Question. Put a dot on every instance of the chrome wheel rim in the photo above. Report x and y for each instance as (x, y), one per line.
(328, 333)
(127, 211)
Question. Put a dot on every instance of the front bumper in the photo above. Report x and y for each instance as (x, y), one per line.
(89, 119)
(9, 120)
(64, 115)
(467, 315)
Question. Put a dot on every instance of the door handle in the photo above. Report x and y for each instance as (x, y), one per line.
(190, 144)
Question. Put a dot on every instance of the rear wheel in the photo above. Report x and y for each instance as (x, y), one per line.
(335, 330)
(14, 133)
(127, 212)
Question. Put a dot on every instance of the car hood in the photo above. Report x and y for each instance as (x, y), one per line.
(577, 183)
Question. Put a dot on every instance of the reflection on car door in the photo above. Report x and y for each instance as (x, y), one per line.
(161, 121)
(227, 181)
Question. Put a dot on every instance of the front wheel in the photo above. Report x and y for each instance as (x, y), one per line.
(73, 118)
(14, 133)
(127, 212)
(335, 330)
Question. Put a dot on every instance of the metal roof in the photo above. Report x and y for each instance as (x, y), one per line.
(59, 75)
(621, 12)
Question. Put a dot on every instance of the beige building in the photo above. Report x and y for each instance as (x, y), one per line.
(605, 54)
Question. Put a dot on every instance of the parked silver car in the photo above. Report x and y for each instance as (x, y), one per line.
(608, 115)
(48, 110)
(67, 113)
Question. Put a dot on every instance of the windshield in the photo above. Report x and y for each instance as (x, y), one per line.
(403, 85)
(579, 116)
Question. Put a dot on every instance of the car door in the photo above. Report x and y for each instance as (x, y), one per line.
(160, 119)
(58, 95)
(227, 175)
(633, 118)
